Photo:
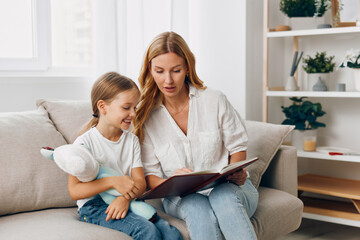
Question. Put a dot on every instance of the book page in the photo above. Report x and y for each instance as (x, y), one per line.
(238, 165)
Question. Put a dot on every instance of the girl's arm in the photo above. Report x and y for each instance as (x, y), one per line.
(119, 207)
(80, 190)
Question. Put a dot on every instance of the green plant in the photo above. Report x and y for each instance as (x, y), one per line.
(304, 8)
(303, 114)
(319, 64)
(351, 59)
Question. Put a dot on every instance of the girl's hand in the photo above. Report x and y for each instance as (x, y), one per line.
(182, 171)
(118, 208)
(238, 178)
(126, 186)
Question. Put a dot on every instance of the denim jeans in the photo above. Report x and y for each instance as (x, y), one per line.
(133, 225)
(227, 209)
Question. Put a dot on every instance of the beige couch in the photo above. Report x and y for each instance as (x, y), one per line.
(34, 202)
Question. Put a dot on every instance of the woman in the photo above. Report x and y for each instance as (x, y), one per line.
(185, 127)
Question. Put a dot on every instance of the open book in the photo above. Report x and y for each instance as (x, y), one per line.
(182, 185)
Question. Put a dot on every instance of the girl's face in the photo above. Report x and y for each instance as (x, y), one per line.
(120, 112)
(169, 71)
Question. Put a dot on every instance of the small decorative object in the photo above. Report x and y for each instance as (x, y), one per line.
(304, 14)
(303, 114)
(352, 60)
(318, 66)
(324, 25)
(291, 82)
(310, 140)
(345, 13)
(282, 28)
(319, 86)
(340, 87)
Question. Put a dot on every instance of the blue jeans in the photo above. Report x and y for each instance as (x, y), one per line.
(227, 209)
(133, 225)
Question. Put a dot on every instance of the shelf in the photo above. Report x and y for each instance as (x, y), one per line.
(337, 187)
(331, 219)
(320, 155)
(332, 94)
(331, 208)
(313, 32)
(330, 186)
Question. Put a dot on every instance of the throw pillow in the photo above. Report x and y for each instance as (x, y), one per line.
(28, 180)
(69, 116)
(264, 141)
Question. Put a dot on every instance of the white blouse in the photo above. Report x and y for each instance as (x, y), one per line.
(215, 131)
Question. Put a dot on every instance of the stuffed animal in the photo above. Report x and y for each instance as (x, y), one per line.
(79, 162)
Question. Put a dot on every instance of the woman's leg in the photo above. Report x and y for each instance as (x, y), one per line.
(133, 225)
(167, 231)
(196, 211)
(233, 206)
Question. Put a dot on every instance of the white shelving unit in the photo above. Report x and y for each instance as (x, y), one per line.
(343, 212)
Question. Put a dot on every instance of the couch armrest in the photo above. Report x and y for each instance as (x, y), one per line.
(282, 171)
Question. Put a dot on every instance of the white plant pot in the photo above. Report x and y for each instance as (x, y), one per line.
(356, 72)
(312, 79)
(299, 136)
(301, 23)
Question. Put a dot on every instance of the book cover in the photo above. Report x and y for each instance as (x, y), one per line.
(182, 185)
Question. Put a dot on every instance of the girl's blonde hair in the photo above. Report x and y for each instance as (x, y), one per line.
(106, 88)
(151, 96)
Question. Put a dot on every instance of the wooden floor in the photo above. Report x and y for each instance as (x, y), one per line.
(318, 230)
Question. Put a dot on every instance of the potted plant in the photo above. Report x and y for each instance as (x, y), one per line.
(352, 60)
(303, 114)
(304, 14)
(318, 69)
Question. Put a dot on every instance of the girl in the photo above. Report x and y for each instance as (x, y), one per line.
(114, 99)
(185, 127)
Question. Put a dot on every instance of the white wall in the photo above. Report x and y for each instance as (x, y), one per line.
(225, 37)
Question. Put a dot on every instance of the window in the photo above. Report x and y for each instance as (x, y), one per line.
(25, 40)
(43, 35)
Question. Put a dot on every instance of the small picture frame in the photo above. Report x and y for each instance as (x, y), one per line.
(347, 15)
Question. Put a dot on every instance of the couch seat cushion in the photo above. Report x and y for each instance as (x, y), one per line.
(278, 213)
(264, 141)
(28, 180)
(54, 224)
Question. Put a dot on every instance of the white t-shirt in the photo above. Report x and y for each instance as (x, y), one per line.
(215, 131)
(122, 155)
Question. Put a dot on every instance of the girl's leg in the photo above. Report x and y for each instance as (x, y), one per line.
(133, 225)
(233, 206)
(196, 211)
(167, 231)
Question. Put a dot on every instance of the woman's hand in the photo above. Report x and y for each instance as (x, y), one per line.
(118, 208)
(238, 178)
(182, 171)
(126, 186)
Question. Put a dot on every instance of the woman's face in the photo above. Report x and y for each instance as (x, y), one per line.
(169, 71)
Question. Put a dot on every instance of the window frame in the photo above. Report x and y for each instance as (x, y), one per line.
(42, 42)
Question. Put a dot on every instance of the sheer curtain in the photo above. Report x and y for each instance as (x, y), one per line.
(214, 29)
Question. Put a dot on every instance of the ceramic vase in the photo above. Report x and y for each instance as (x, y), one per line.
(356, 72)
(313, 78)
(301, 23)
(291, 84)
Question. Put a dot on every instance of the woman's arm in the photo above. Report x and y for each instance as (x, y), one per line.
(239, 177)
(153, 181)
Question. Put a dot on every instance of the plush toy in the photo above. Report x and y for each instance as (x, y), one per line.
(79, 162)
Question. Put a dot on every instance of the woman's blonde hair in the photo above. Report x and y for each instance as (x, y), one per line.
(150, 94)
(106, 88)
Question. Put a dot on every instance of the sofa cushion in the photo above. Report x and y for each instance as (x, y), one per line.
(264, 141)
(69, 116)
(278, 213)
(28, 180)
(54, 224)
